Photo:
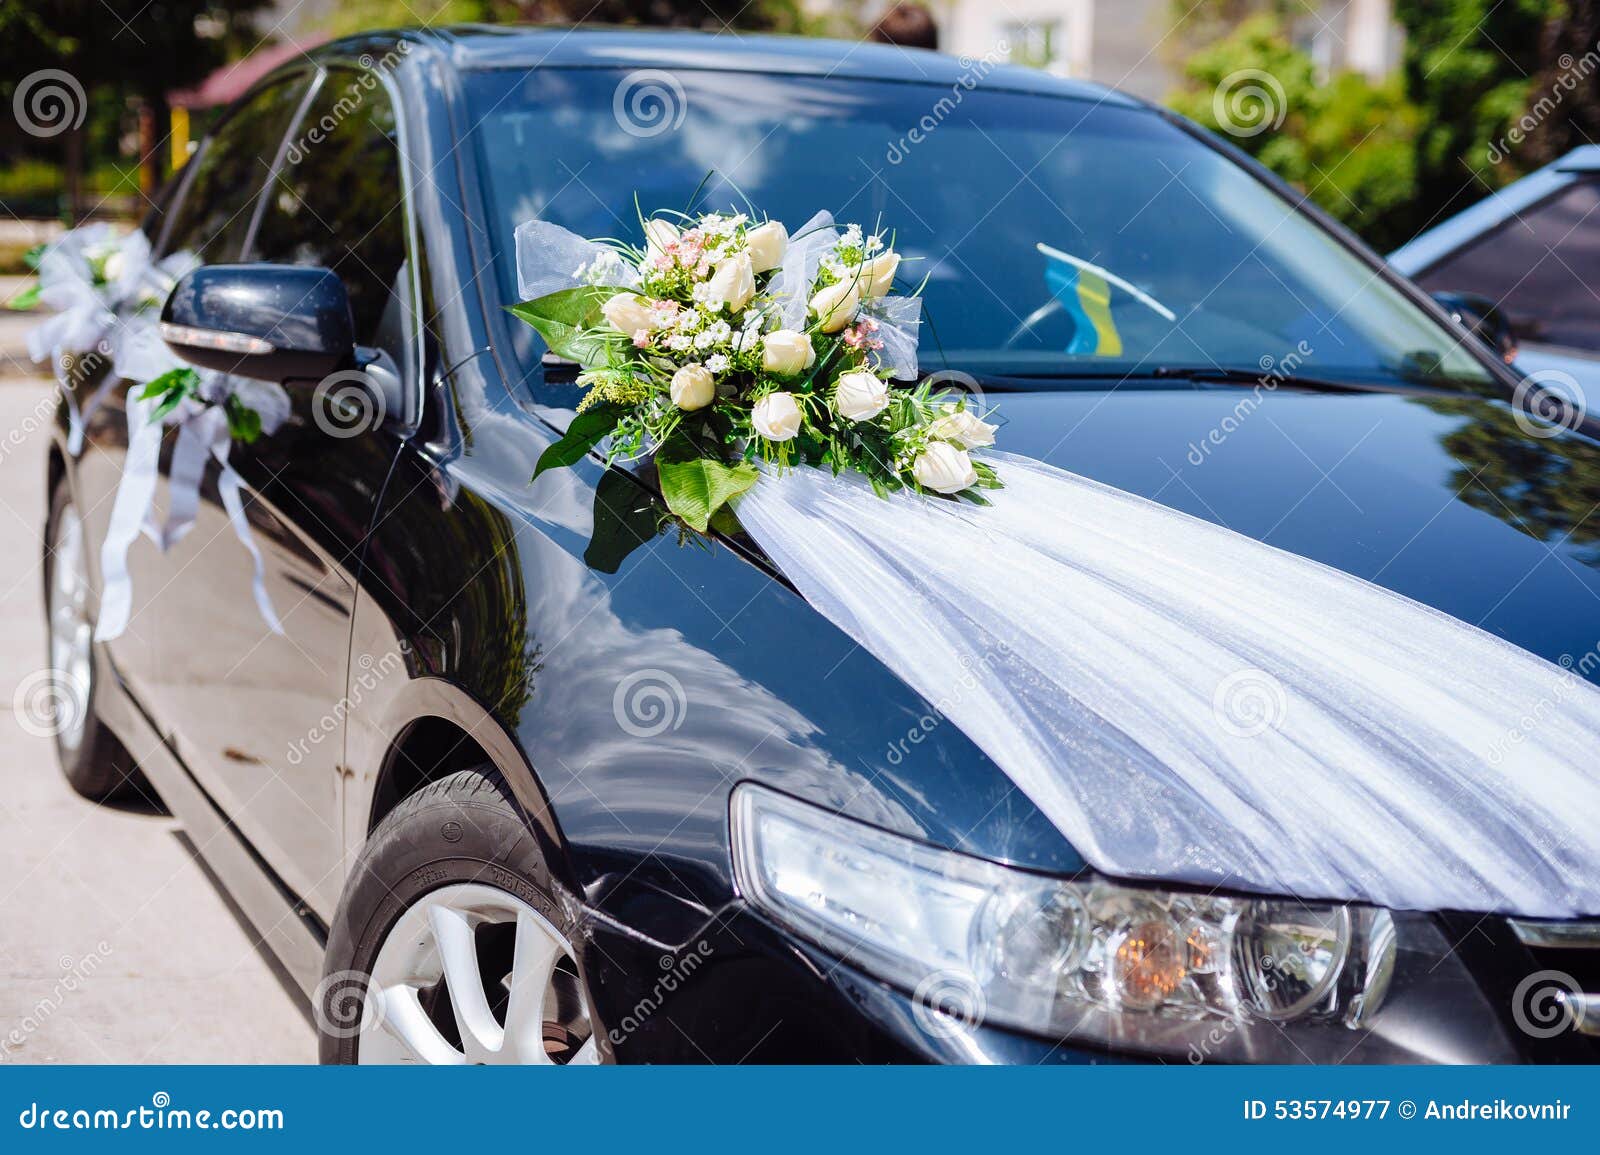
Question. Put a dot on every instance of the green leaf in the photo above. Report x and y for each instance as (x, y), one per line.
(172, 387)
(696, 487)
(587, 430)
(565, 320)
(26, 299)
(34, 256)
(244, 423)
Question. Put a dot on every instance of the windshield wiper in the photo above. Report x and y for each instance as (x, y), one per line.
(1272, 378)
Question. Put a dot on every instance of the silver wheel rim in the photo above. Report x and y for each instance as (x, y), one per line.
(470, 974)
(71, 632)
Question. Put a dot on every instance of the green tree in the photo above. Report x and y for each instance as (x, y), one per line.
(115, 63)
(1349, 143)
(1469, 66)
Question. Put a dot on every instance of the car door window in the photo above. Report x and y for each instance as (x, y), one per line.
(218, 199)
(1539, 266)
(337, 202)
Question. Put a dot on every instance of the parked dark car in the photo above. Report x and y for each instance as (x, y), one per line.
(570, 784)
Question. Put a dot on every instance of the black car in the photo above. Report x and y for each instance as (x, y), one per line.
(534, 775)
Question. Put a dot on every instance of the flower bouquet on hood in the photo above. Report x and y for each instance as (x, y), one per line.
(726, 345)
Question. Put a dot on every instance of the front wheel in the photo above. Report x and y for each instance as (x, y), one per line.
(450, 946)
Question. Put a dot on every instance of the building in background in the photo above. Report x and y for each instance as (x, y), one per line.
(1132, 44)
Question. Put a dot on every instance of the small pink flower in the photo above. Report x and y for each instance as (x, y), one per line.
(641, 338)
(859, 335)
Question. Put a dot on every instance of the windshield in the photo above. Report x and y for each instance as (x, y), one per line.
(1058, 237)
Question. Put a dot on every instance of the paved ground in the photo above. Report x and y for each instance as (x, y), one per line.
(115, 946)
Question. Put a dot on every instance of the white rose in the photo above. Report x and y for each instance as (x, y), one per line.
(860, 396)
(776, 416)
(836, 305)
(627, 313)
(785, 351)
(658, 234)
(876, 276)
(967, 430)
(113, 267)
(767, 244)
(734, 282)
(693, 387)
(943, 468)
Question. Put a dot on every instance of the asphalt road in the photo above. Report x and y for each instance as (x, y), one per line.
(115, 944)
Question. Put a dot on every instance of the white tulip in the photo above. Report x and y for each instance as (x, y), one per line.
(776, 416)
(658, 234)
(767, 245)
(943, 468)
(627, 313)
(734, 281)
(876, 276)
(964, 428)
(114, 266)
(860, 396)
(693, 387)
(836, 305)
(787, 352)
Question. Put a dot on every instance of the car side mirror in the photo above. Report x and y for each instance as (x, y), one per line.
(272, 322)
(1483, 319)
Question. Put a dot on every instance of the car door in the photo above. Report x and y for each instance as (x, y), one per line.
(261, 713)
(209, 216)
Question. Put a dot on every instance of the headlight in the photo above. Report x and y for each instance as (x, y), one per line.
(1108, 964)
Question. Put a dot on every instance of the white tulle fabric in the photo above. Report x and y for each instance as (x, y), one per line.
(1189, 704)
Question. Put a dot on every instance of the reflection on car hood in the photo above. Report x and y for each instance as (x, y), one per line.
(1455, 501)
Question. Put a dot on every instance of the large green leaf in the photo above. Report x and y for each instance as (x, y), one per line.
(564, 317)
(696, 487)
(587, 430)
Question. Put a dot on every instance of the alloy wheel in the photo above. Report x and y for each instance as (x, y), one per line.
(471, 974)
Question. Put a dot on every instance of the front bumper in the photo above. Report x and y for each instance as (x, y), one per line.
(746, 991)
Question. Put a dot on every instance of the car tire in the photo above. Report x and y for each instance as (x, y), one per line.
(451, 944)
(60, 703)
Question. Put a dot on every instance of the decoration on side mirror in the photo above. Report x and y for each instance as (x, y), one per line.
(105, 293)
